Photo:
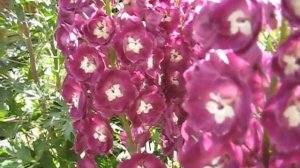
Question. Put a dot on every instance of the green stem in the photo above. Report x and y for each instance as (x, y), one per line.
(57, 63)
(131, 145)
(107, 7)
(284, 31)
(266, 149)
(28, 42)
(32, 60)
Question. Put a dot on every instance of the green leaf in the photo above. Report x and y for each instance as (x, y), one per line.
(39, 147)
(24, 154)
(8, 129)
(10, 163)
(68, 130)
(46, 160)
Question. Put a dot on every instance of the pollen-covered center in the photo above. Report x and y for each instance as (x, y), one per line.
(114, 92)
(175, 56)
(144, 108)
(292, 64)
(134, 45)
(239, 23)
(220, 108)
(101, 30)
(87, 65)
(75, 100)
(296, 7)
(292, 114)
(100, 134)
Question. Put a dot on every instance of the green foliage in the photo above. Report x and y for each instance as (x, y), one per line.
(35, 129)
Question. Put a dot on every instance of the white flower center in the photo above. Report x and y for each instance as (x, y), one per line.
(296, 5)
(239, 23)
(292, 113)
(144, 107)
(150, 63)
(88, 66)
(99, 135)
(174, 80)
(114, 92)
(175, 56)
(166, 18)
(175, 118)
(101, 30)
(134, 45)
(291, 64)
(75, 100)
(141, 166)
(220, 108)
(73, 1)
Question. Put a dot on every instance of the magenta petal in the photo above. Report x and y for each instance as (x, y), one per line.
(142, 160)
(114, 92)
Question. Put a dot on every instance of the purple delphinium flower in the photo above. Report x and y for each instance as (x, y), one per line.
(286, 60)
(281, 118)
(114, 92)
(86, 64)
(228, 24)
(87, 162)
(67, 39)
(291, 11)
(142, 160)
(74, 93)
(94, 135)
(149, 107)
(99, 28)
(217, 99)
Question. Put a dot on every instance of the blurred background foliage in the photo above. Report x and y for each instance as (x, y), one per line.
(35, 130)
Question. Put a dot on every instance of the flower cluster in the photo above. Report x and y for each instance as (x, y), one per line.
(192, 68)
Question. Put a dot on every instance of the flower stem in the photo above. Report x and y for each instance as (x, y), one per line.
(131, 145)
(266, 149)
(28, 43)
(108, 7)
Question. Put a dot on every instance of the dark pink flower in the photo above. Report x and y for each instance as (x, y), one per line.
(140, 136)
(86, 64)
(291, 11)
(217, 100)
(281, 118)
(94, 135)
(87, 162)
(286, 61)
(74, 94)
(202, 150)
(228, 24)
(132, 42)
(67, 39)
(142, 160)
(149, 107)
(99, 28)
(152, 65)
(114, 92)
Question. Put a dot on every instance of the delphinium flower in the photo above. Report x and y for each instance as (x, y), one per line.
(192, 69)
(140, 160)
(291, 11)
(94, 135)
(86, 64)
(217, 99)
(74, 94)
(228, 24)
